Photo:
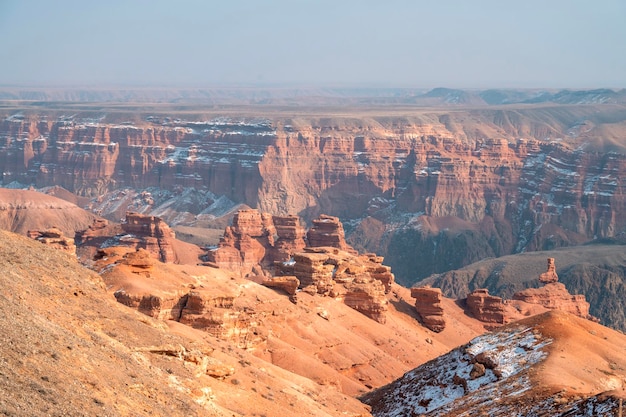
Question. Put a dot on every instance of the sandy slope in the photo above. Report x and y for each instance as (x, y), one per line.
(24, 210)
(68, 349)
(319, 337)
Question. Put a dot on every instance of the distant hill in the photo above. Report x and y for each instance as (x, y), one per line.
(24, 210)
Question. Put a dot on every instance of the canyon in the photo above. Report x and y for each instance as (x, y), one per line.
(430, 189)
(247, 259)
(215, 335)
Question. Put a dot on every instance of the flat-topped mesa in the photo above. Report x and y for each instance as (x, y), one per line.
(150, 233)
(328, 231)
(54, 237)
(429, 308)
(550, 275)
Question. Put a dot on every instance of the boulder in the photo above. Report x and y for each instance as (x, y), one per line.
(289, 284)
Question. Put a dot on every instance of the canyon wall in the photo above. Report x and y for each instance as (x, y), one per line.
(431, 191)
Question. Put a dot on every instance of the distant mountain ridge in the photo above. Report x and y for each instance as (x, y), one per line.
(260, 95)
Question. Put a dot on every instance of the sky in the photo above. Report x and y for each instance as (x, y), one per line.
(390, 43)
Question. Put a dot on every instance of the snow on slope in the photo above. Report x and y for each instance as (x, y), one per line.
(488, 368)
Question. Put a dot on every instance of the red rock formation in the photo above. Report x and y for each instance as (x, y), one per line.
(289, 284)
(327, 231)
(341, 275)
(54, 237)
(554, 296)
(486, 308)
(550, 275)
(246, 243)
(290, 237)
(429, 308)
(256, 240)
(150, 233)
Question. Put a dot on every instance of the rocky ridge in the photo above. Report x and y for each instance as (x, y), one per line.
(511, 369)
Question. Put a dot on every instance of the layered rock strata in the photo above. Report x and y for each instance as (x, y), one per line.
(493, 173)
(486, 308)
(253, 242)
(428, 306)
(328, 231)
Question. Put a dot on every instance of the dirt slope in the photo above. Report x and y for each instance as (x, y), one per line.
(69, 349)
(24, 210)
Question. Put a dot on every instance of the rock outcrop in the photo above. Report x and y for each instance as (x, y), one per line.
(355, 280)
(258, 244)
(554, 296)
(328, 231)
(550, 275)
(54, 237)
(495, 311)
(486, 308)
(429, 308)
(288, 284)
(290, 237)
(150, 233)
(248, 244)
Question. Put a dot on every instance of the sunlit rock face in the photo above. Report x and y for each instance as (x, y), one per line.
(458, 186)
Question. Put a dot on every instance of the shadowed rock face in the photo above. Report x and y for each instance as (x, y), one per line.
(461, 186)
(428, 306)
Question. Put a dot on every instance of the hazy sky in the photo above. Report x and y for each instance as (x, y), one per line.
(411, 43)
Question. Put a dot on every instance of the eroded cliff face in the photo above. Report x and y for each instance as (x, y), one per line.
(442, 189)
